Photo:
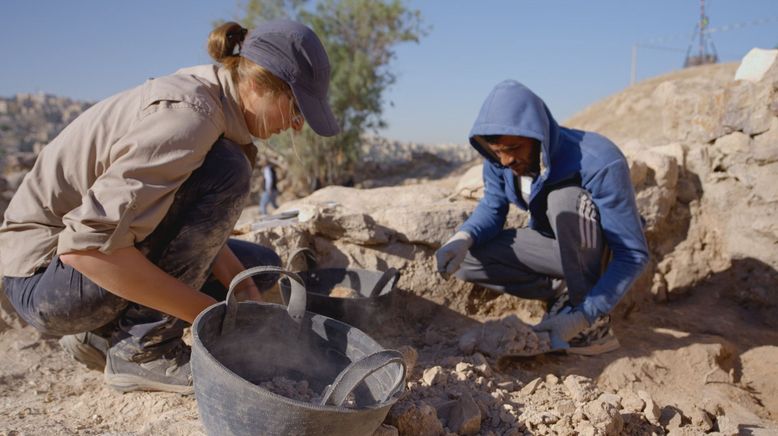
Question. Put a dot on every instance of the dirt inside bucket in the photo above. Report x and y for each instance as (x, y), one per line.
(299, 390)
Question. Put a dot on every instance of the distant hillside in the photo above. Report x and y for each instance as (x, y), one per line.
(30, 121)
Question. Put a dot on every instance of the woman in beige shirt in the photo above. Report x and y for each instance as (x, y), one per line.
(120, 231)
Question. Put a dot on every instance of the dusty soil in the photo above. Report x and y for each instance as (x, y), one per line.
(703, 353)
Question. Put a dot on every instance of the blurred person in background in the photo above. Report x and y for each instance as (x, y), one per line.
(269, 187)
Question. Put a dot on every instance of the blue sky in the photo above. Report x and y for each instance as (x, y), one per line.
(570, 52)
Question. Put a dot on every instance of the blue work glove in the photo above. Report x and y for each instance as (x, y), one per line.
(450, 256)
(563, 325)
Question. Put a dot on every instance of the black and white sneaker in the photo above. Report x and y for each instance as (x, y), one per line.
(596, 339)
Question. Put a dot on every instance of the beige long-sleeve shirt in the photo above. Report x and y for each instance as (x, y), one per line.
(107, 180)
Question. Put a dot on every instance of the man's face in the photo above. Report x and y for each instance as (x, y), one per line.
(518, 153)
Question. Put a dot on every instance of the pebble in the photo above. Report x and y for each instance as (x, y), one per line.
(530, 387)
(651, 409)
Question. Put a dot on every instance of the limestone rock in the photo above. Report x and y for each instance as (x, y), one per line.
(764, 149)
(349, 226)
(427, 224)
(432, 376)
(657, 193)
(671, 418)
(727, 426)
(471, 184)
(700, 419)
(465, 416)
(369, 201)
(755, 64)
(651, 409)
(581, 389)
(759, 366)
(631, 402)
(501, 337)
(530, 387)
(417, 420)
(747, 108)
(604, 416)
(611, 399)
(693, 109)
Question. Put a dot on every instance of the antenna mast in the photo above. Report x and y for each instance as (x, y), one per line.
(704, 55)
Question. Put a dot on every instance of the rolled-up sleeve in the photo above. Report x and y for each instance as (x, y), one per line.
(129, 198)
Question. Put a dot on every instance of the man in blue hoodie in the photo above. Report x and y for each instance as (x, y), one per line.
(577, 189)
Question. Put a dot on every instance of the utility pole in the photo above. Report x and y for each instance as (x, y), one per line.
(702, 29)
(703, 56)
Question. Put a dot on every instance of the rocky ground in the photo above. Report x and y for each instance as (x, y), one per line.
(698, 333)
(679, 371)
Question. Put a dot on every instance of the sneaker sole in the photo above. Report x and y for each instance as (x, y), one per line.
(131, 382)
(87, 354)
(602, 346)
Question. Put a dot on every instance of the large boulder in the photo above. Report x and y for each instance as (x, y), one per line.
(692, 109)
(756, 64)
(427, 224)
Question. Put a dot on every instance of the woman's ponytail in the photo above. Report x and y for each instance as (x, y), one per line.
(223, 39)
(221, 46)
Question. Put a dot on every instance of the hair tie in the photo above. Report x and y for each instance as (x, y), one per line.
(237, 37)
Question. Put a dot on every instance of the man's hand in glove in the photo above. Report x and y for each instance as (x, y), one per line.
(450, 256)
(564, 325)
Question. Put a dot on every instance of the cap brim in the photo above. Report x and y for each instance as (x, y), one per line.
(317, 113)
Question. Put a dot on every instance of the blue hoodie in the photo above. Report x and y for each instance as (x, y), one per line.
(569, 157)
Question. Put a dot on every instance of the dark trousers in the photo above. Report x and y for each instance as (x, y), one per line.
(522, 261)
(59, 300)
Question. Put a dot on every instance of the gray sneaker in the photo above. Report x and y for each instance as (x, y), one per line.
(87, 348)
(595, 339)
(169, 373)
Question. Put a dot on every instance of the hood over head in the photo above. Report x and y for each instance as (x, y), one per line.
(512, 109)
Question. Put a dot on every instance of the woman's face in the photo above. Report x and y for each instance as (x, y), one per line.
(267, 113)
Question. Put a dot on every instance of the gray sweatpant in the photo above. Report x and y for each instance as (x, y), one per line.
(522, 261)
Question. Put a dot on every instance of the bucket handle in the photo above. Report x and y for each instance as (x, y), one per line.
(295, 308)
(310, 259)
(389, 277)
(357, 371)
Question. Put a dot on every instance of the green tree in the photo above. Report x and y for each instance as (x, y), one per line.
(360, 37)
(257, 11)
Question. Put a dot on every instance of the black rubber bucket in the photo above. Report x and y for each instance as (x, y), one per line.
(374, 289)
(238, 345)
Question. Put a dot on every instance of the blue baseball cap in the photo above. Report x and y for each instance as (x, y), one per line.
(294, 54)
